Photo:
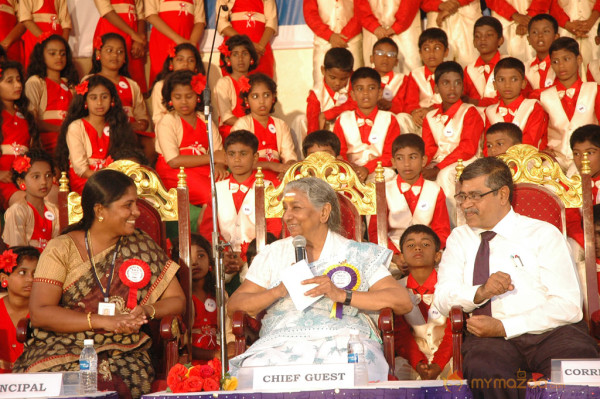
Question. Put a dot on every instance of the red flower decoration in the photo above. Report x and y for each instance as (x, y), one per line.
(195, 379)
(82, 88)
(216, 365)
(193, 384)
(8, 261)
(206, 371)
(171, 52)
(211, 385)
(244, 84)
(199, 83)
(244, 250)
(21, 164)
(97, 43)
(224, 49)
(41, 38)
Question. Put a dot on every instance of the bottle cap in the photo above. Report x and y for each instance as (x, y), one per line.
(89, 342)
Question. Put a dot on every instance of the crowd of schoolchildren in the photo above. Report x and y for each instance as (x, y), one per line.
(415, 94)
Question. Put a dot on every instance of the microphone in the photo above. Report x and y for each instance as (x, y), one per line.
(224, 7)
(299, 247)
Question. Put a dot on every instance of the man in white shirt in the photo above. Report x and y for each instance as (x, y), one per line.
(517, 277)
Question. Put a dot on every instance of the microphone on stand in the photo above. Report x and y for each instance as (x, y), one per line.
(299, 247)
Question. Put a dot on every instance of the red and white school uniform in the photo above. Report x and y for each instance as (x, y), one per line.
(10, 348)
(393, 85)
(325, 17)
(130, 11)
(593, 71)
(569, 109)
(479, 81)
(514, 45)
(403, 16)
(8, 20)
(88, 150)
(237, 211)
(181, 16)
(458, 27)
(527, 114)
(48, 15)
(428, 340)
(48, 101)
(540, 74)
(204, 330)
(596, 189)
(228, 101)
(322, 98)
(422, 203)
(420, 90)
(367, 139)
(15, 141)
(252, 17)
(26, 226)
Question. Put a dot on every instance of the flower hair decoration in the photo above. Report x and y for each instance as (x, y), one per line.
(8, 260)
(21, 164)
(97, 43)
(172, 52)
(244, 251)
(224, 49)
(42, 38)
(82, 88)
(198, 83)
(244, 84)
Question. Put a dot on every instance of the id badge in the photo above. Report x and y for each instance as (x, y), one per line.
(106, 309)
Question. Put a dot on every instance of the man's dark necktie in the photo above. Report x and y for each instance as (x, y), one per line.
(481, 271)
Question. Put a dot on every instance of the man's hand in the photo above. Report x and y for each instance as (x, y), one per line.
(384, 104)
(423, 370)
(380, 32)
(521, 19)
(497, 284)
(442, 15)
(485, 326)
(338, 40)
(451, 6)
(418, 115)
(431, 173)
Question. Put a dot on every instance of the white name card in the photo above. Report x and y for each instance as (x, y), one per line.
(301, 377)
(580, 371)
(30, 385)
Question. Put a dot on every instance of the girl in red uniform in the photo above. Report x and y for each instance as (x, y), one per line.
(40, 16)
(181, 140)
(258, 20)
(17, 266)
(126, 17)
(11, 30)
(52, 75)
(32, 220)
(184, 56)
(173, 22)
(238, 57)
(18, 130)
(96, 127)
(110, 60)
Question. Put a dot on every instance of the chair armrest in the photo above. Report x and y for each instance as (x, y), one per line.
(171, 332)
(457, 322)
(245, 328)
(595, 324)
(23, 330)
(386, 326)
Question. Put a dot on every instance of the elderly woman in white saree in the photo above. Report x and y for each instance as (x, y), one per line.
(320, 333)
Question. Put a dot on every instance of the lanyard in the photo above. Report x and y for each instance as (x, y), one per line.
(112, 267)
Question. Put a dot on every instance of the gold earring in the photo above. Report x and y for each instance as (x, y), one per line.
(100, 219)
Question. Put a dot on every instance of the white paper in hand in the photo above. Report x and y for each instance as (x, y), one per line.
(292, 277)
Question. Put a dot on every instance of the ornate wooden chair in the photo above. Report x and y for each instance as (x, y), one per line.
(157, 206)
(356, 200)
(542, 191)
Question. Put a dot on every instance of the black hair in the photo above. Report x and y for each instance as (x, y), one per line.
(183, 78)
(584, 133)
(565, 43)
(340, 58)
(135, 154)
(35, 155)
(121, 133)
(321, 138)
(251, 250)
(446, 67)
(596, 210)
(97, 66)
(244, 137)
(491, 22)
(196, 239)
(386, 40)
(543, 17)
(510, 129)
(408, 140)
(259, 78)
(433, 34)
(236, 41)
(420, 229)
(3, 55)
(21, 104)
(169, 61)
(510, 63)
(103, 187)
(23, 252)
(38, 67)
(497, 172)
(365, 73)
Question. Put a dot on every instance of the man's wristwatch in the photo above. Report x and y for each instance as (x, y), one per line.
(348, 297)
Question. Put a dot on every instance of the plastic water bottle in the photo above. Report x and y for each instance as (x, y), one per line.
(356, 356)
(88, 368)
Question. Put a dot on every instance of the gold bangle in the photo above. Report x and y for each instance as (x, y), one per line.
(153, 312)
(89, 319)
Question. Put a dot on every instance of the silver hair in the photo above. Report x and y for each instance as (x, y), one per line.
(319, 193)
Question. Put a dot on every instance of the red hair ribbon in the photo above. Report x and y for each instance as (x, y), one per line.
(82, 88)
(224, 49)
(244, 84)
(8, 261)
(21, 164)
(198, 83)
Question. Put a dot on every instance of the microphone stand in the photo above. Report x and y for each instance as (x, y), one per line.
(218, 245)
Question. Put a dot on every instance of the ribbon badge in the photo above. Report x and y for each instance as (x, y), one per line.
(346, 277)
(132, 14)
(251, 21)
(183, 8)
(135, 274)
